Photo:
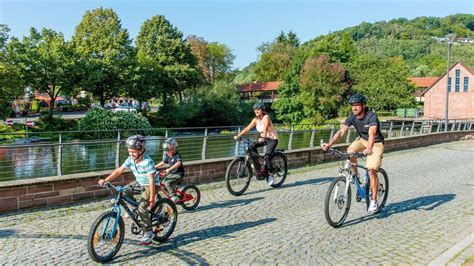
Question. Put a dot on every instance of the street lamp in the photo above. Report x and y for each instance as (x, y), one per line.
(450, 37)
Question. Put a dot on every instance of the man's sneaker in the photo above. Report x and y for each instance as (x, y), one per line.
(147, 238)
(372, 207)
(270, 180)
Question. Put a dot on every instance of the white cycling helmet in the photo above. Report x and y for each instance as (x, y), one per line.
(170, 143)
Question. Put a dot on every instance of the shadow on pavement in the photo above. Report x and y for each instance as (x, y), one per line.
(226, 204)
(426, 203)
(7, 232)
(318, 181)
(174, 244)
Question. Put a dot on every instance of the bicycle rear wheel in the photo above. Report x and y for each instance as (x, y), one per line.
(237, 176)
(164, 219)
(103, 242)
(193, 192)
(279, 168)
(337, 202)
(382, 191)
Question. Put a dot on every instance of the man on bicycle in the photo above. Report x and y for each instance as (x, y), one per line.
(370, 141)
(176, 170)
(143, 168)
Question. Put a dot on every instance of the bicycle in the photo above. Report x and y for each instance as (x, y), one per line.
(108, 230)
(241, 169)
(341, 199)
(189, 195)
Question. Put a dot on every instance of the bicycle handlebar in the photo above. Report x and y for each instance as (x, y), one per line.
(345, 155)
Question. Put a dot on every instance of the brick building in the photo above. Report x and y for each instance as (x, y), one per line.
(461, 94)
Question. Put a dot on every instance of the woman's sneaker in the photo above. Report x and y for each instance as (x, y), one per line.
(147, 238)
(372, 207)
(270, 180)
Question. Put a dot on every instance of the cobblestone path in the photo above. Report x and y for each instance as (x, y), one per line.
(429, 210)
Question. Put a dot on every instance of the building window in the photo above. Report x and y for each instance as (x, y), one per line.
(466, 84)
(449, 84)
(458, 80)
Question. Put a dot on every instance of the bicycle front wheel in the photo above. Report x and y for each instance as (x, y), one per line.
(237, 176)
(382, 191)
(104, 241)
(279, 168)
(337, 202)
(191, 199)
(164, 219)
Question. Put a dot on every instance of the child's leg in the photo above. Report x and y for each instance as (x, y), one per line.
(170, 182)
(142, 210)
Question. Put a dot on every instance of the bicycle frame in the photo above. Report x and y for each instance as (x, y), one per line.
(185, 196)
(122, 200)
(346, 171)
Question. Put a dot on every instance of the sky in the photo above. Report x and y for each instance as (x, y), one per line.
(242, 25)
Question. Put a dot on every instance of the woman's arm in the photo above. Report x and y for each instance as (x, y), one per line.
(248, 128)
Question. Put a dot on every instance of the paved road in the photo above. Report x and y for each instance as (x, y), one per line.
(430, 210)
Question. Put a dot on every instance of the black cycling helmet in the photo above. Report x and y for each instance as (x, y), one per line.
(259, 105)
(358, 98)
(135, 142)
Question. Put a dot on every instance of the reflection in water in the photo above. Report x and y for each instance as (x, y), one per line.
(22, 163)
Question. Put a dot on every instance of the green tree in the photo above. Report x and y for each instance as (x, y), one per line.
(11, 85)
(162, 45)
(46, 63)
(383, 80)
(323, 85)
(105, 49)
(289, 108)
(214, 59)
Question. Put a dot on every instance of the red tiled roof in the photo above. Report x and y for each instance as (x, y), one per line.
(423, 82)
(260, 86)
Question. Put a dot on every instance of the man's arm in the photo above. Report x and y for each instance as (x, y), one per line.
(370, 142)
(342, 130)
(159, 165)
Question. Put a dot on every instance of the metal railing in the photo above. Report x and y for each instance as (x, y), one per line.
(69, 152)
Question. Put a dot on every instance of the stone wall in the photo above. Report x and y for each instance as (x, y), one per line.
(51, 191)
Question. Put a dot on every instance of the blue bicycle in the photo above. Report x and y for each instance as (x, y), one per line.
(108, 230)
(338, 196)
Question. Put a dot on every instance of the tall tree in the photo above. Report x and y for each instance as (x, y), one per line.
(324, 85)
(384, 81)
(46, 63)
(214, 59)
(276, 57)
(162, 45)
(11, 85)
(105, 49)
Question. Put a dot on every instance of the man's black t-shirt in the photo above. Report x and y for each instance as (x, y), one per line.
(171, 160)
(362, 125)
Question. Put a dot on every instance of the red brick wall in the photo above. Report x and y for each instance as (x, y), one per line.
(460, 105)
(53, 191)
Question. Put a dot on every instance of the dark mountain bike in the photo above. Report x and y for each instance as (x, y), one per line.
(108, 230)
(242, 168)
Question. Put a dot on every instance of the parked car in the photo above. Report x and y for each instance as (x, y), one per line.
(124, 108)
(9, 122)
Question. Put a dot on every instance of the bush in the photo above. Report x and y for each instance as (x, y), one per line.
(102, 119)
(5, 129)
(45, 124)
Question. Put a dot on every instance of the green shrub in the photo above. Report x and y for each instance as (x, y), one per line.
(45, 124)
(102, 119)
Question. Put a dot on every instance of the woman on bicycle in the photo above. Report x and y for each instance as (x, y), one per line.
(268, 136)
